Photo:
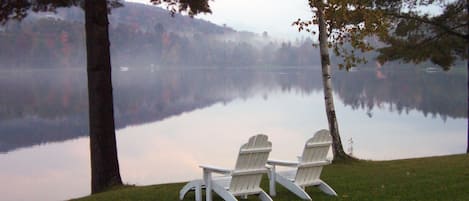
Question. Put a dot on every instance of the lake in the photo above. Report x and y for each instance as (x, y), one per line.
(169, 121)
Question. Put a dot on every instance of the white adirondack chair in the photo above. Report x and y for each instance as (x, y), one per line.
(307, 170)
(244, 180)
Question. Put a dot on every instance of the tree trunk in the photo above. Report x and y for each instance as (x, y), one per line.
(103, 150)
(337, 147)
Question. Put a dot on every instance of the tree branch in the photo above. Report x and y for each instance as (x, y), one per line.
(445, 28)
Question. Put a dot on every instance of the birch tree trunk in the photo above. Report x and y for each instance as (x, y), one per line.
(337, 147)
(103, 150)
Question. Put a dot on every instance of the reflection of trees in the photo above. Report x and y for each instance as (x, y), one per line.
(49, 105)
(41, 106)
(162, 94)
(404, 90)
(42, 94)
(45, 106)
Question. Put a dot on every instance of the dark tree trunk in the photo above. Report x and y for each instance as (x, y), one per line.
(103, 150)
(337, 147)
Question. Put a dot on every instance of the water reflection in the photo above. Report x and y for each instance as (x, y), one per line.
(41, 106)
(37, 107)
(49, 106)
(170, 121)
(58, 171)
(404, 89)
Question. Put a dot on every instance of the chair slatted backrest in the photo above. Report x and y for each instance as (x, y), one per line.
(313, 158)
(250, 165)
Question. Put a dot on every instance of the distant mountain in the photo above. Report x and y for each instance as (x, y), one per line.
(144, 36)
(143, 18)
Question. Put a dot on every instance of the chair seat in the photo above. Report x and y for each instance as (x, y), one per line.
(223, 181)
(288, 174)
(291, 174)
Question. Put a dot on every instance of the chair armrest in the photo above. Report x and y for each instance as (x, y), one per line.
(283, 163)
(215, 169)
(315, 164)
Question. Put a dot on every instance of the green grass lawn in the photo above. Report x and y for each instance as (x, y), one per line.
(443, 178)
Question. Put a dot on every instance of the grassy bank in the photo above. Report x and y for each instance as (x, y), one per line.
(443, 178)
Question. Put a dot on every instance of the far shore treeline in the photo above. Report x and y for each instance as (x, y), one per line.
(144, 36)
(147, 36)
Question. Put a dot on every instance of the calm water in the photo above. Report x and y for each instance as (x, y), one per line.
(169, 121)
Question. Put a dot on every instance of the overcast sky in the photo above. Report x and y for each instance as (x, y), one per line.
(273, 16)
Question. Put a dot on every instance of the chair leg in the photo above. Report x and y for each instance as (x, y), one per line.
(192, 185)
(208, 191)
(222, 192)
(294, 188)
(272, 179)
(264, 197)
(326, 188)
(198, 193)
(208, 182)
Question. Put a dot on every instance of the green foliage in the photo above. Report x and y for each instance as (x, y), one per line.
(18, 9)
(418, 37)
(436, 178)
(190, 6)
(397, 29)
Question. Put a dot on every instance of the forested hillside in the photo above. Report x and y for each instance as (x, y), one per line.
(145, 36)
